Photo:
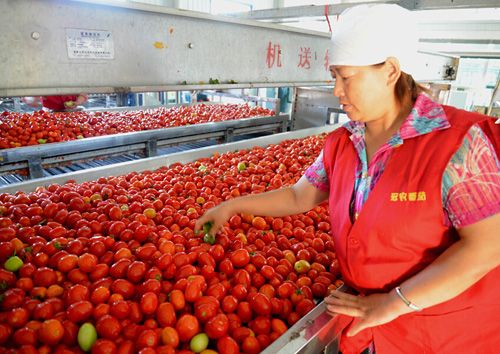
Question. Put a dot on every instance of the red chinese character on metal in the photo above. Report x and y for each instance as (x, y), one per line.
(273, 55)
(305, 58)
(327, 61)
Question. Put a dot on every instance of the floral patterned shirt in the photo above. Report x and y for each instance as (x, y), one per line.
(470, 187)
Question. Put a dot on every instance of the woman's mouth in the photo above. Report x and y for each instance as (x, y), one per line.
(346, 107)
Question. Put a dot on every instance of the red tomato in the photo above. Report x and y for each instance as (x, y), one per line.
(234, 322)
(25, 336)
(51, 332)
(170, 337)
(261, 304)
(18, 317)
(229, 304)
(123, 287)
(187, 326)
(70, 332)
(217, 290)
(79, 311)
(251, 345)
(244, 311)
(267, 271)
(226, 267)
(240, 333)
(87, 262)
(259, 223)
(205, 308)
(12, 298)
(278, 326)
(43, 311)
(285, 290)
(235, 221)
(241, 276)
(261, 325)
(100, 295)
(147, 338)
(126, 347)
(104, 346)
(67, 263)
(268, 290)
(120, 309)
(149, 303)
(217, 326)
(44, 277)
(165, 315)
(136, 271)
(177, 299)
(319, 290)
(304, 306)
(240, 258)
(108, 327)
(217, 252)
(194, 288)
(240, 292)
(227, 345)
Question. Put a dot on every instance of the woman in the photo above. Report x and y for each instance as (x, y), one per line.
(413, 190)
(57, 103)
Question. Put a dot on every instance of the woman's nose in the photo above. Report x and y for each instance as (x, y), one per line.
(338, 90)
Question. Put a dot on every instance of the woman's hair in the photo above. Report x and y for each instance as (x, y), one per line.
(407, 90)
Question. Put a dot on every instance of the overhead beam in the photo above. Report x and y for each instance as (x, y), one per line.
(460, 41)
(336, 9)
(460, 30)
(455, 4)
(473, 54)
(299, 11)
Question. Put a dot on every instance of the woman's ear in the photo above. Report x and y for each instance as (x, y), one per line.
(393, 70)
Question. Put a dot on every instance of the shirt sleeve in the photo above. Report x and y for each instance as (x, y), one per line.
(471, 181)
(316, 174)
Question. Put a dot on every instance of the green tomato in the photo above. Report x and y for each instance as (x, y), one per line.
(302, 266)
(13, 264)
(207, 226)
(202, 168)
(209, 239)
(242, 166)
(42, 141)
(87, 335)
(199, 342)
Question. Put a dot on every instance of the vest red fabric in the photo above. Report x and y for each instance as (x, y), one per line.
(56, 103)
(399, 232)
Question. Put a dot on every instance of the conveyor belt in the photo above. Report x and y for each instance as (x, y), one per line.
(149, 143)
(79, 166)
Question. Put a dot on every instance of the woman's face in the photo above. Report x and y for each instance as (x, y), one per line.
(363, 91)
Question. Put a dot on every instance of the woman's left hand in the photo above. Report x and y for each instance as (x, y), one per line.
(372, 310)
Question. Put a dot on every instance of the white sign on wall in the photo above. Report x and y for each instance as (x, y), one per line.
(89, 44)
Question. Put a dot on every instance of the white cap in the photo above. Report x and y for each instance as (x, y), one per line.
(369, 34)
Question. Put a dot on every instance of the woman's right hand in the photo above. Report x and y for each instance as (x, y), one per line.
(217, 215)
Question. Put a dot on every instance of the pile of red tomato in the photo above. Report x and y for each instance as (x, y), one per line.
(24, 129)
(114, 266)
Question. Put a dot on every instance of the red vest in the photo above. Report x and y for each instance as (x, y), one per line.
(399, 232)
(56, 103)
